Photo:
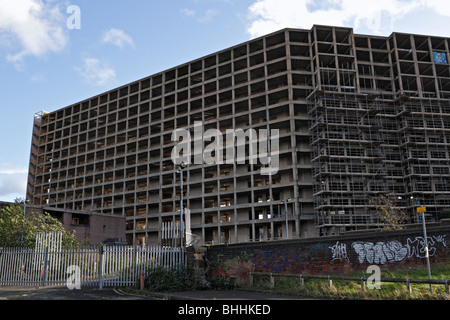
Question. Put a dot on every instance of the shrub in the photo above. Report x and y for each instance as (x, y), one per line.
(444, 214)
(168, 280)
(221, 283)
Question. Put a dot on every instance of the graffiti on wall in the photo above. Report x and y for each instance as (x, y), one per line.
(278, 259)
(339, 251)
(382, 253)
(237, 267)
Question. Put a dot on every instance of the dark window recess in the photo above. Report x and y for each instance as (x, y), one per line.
(80, 219)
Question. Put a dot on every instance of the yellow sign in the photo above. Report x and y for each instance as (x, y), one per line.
(421, 209)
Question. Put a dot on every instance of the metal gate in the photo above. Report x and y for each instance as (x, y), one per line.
(117, 266)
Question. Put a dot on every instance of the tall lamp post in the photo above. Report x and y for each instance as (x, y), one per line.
(180, 171)
(285, 215)
(422, 210)
(23, 221)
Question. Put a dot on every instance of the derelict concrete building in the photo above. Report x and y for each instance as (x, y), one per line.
(358, 116)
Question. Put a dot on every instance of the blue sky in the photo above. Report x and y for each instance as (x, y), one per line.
(47, 65)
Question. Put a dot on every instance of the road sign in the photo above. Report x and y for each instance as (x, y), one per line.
(421, 209)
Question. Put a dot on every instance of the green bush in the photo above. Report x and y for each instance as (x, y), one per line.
(168, 280)
(444, 214)
(221, 283)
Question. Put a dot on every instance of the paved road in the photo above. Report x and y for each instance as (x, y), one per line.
(7, 293)
(65, 294)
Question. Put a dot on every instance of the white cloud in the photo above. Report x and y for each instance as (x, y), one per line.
(13, 184)
(206, 17)
(187, 12)
(96, 72)
(118, 38)
(266, 16)
(441, 7)
(31, 27)
(38, 78)
(9, 168)
(13, 180)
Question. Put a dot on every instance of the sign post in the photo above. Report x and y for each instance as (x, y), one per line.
(427, 256)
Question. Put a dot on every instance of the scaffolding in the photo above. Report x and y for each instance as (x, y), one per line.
(379, 126)
(425, 138)
(350, 159)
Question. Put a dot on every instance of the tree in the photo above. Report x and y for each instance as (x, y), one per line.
(444, 214)
(390, 215)
(13, 226)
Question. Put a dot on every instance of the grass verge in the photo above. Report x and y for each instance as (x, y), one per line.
(347, 289)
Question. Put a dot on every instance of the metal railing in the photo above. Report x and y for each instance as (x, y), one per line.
(362, 280)
(92, 266)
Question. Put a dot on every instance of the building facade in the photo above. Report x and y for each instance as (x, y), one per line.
(357, 117)
(91, 228)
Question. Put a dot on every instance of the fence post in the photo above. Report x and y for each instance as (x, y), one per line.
(302, 281)
(272, 280)
(408, 287)
(142, 279)
(100, 269)
(330, 282)
(44, 274)
(447, 291)
(363, 284)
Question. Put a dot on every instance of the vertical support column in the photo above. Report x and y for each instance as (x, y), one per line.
(427, 256)
(195, 261)
(302, 282)
(100, 269)
(408, 287)
(330, 283)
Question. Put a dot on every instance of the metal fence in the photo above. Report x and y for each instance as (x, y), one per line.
(87, 266)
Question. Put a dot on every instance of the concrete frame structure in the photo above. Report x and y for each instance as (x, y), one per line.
(350, 109)
(380, 125)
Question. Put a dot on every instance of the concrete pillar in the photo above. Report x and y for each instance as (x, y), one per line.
(196, 264)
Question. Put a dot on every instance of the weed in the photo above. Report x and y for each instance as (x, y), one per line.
(168, 280)
(221, 283)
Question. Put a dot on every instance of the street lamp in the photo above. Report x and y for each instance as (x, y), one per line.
(285, 214)
(23, 221)
(180, 171)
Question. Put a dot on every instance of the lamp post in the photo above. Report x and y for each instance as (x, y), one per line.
(426, 245)
(23, 221)
(425, 237)
(180, 171)
(285, 215)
